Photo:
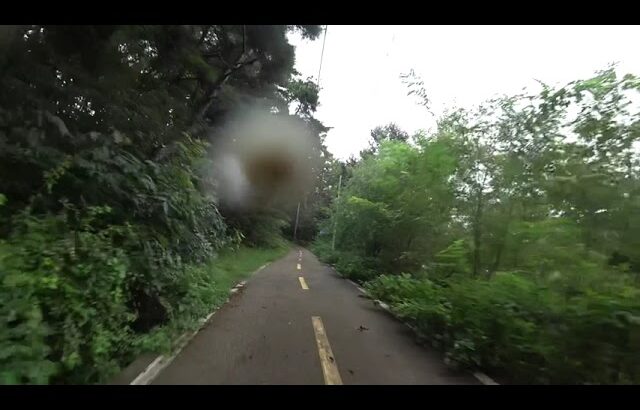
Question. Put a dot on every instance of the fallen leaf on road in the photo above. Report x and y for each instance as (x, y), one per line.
(362, 328)
(350, 371)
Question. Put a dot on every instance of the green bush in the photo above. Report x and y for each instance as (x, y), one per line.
(109, 218)
(348, 263)
(526, 331)
(518, 220)
(63, 296)
(261, 228)
(358, 268)
(322, 249)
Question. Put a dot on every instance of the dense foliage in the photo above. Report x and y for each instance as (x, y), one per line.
(517, 225)
(105, 211)
(509, 236)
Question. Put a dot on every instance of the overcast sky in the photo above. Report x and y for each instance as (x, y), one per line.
(460, 65)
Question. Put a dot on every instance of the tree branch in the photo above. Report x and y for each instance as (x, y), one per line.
(214, 89)
(185, 79)
(217, 54)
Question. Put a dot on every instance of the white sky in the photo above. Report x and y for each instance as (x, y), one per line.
(460, 65)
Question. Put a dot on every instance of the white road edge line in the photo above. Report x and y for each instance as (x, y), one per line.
(357, 286)
(483, 378)
(159, 363)
(143, 378)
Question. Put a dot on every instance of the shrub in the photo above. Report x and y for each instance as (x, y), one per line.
(63, 294)
(523, 329)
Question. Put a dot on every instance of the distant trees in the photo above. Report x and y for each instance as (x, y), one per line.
(544, 188)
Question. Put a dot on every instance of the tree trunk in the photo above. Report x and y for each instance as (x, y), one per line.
(505, 231)
(477, 226)
(477, 233)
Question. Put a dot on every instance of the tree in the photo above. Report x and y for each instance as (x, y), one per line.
(509, 236)
(389, 132)
(104, 136)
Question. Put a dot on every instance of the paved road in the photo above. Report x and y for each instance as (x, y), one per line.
(277, 332)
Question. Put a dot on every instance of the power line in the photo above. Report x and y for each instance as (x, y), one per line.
(324, 39)
(322, 54)
(295, 229)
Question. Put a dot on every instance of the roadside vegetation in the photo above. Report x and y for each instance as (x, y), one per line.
(510, 235)
(112, 236)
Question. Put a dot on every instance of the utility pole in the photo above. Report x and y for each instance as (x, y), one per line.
(335, 222)
(295, 229)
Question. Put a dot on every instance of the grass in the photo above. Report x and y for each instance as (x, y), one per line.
(241, 263)
(209, 287)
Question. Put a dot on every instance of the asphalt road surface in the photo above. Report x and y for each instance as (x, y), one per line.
(297, 322)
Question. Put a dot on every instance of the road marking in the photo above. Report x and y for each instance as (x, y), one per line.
(149, 373)
(484, 379)
(298, 266)
(303, 283)
(357, 287)
(328, 362)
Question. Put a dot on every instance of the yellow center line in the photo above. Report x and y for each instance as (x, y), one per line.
(298, 266)
(303, 283)
(328, 362)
